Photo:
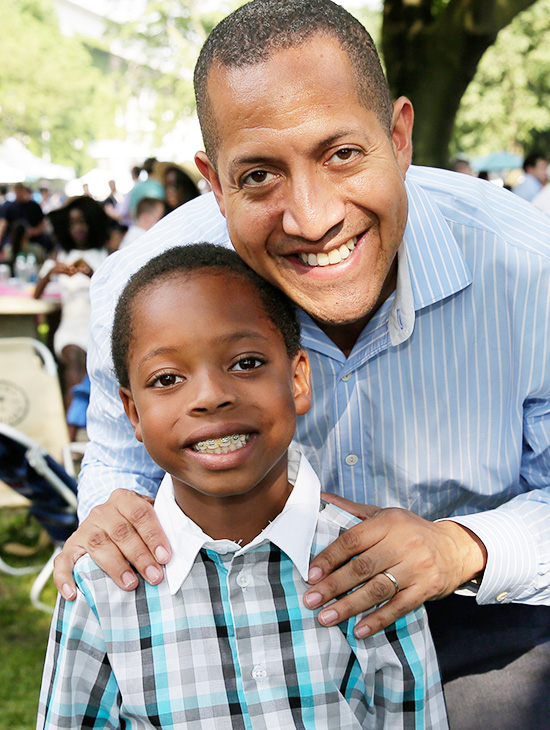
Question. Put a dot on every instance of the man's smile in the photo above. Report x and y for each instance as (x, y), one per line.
(329, 258)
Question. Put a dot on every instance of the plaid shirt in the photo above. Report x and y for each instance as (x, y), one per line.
(225, 641)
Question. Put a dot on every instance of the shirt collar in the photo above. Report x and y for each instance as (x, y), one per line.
(292, 530)
(436, 264)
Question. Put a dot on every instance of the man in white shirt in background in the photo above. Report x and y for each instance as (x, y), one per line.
(148, 212)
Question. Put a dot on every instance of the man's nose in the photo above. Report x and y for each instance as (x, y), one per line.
(209, 392)
(313, 207)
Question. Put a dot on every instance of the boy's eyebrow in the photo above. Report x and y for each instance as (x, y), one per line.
(229, 338)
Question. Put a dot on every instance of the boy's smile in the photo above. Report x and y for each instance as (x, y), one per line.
(214, 397)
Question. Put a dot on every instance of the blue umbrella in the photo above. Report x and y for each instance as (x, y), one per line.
(497, 161)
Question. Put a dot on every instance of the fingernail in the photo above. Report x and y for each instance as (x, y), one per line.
(314, 575)
(162, 555)
(68, 592)
(329, 616)
(153, 575)
(362, 631)
(129, 580)
(312, 600)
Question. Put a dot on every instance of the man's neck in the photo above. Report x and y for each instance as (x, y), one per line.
(345, 336)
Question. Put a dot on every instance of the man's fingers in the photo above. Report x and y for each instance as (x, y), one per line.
(362, 511)
(63, 570)
(120, 535)
(399, 606)
(353, 542)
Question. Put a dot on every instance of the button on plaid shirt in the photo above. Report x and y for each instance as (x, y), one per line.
(225, 642)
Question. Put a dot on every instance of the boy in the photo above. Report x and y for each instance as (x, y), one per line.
(212, 378)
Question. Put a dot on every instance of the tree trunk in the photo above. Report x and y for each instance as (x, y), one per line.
(431, 58)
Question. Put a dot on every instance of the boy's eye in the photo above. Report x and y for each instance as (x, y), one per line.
(248, 363)
(166, 380)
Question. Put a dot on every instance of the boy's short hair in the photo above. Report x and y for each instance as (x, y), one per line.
(279, 309)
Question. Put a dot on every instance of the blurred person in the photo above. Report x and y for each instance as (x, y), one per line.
(535, 167)
(148, 186)
(124, 209)
(149, 211)
(81, 230)
(112, 202)
(179, 188)
(23, 208)
(117, 231)
(463, 166)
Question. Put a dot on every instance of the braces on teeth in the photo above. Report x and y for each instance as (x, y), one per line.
(222, 445)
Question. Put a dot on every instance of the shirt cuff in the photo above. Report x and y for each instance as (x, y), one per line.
(511, 556)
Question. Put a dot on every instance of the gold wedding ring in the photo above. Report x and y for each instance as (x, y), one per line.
(392, 578)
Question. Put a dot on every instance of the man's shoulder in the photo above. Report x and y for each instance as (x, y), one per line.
(197, 221)
(479, 205)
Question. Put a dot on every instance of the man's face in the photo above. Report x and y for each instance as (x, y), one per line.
(311, 184)
(540, 170)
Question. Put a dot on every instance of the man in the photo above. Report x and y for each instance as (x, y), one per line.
(535, 167)
(425, 315)
(26, 210)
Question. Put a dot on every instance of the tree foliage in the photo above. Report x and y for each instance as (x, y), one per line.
(506, 105)
(432, 49)
(51, 96)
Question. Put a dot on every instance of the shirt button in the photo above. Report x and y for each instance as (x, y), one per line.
(345, 378)
(351, 459)
(259, 673)
(502, 596)
(243, 580)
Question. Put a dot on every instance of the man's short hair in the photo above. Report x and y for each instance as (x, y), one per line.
(148, 205)
(253, 32)
(532, 159)
(174, 262)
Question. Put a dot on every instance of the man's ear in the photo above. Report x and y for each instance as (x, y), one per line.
(401, 132)
(206, 168)
(131, 411)
(301, 382)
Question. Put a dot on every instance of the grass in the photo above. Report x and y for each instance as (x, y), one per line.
(23, 629)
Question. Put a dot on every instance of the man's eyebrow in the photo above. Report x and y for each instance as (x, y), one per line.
(245, 160)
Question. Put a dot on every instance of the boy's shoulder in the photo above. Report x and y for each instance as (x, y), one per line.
(331, 523)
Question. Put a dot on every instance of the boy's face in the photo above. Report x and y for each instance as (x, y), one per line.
(214, 395)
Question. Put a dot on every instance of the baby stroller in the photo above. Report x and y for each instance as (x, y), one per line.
(26, 467)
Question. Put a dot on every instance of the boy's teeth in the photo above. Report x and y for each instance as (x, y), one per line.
(223, 445)
(332, 257)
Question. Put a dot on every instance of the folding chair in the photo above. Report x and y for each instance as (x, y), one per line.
(26, 467)
(30, 393)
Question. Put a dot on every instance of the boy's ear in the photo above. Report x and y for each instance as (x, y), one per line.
(301, 382)
(131, 411)
(206, 169)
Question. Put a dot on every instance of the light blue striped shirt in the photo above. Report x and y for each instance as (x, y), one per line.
(442, 407)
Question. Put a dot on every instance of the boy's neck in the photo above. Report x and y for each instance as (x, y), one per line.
(239, 518)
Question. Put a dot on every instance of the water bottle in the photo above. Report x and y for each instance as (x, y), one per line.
(32, 268)
(20, 268)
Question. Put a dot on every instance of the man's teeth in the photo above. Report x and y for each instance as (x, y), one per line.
(223, 445)
(332, 257)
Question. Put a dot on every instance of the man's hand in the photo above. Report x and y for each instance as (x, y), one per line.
(123, 530)
(429, 560)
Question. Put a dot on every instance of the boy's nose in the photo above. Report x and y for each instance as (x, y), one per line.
(209, 393)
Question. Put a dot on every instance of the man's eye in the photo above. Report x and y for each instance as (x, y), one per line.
(248, 363)
(258, 177)
(166, 380)
(346, 153)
